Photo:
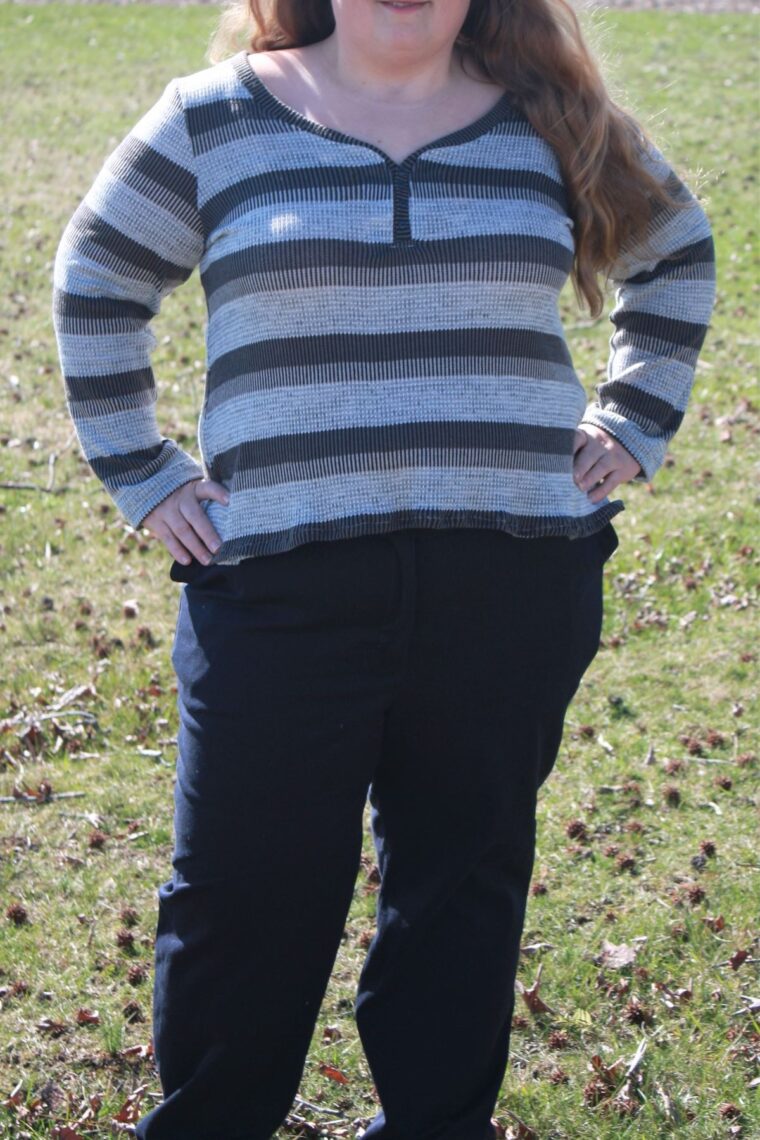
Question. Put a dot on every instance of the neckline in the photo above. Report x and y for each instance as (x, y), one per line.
(260, 91)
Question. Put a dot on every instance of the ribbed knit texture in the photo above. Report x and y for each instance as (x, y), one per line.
(384, 345)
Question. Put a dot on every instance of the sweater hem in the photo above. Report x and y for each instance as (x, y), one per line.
(236, 550)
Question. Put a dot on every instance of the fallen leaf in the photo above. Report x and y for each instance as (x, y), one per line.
(74, 694)
(88, 1017)
(54, 1028)
(129, 1113)
(616, 956)
(530, 994)
(607, 1073)
(333, 1074)
(141, 1052)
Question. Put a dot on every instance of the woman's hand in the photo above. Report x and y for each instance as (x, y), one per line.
(601, 463)
(181, 523)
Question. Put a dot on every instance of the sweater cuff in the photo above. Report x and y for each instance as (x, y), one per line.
(648, 452)
(138, 500)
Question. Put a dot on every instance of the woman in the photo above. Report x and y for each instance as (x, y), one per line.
(393, 551)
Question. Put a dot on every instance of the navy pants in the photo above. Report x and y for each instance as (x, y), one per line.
(431, 669)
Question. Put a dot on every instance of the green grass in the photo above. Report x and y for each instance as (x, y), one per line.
(675, 681)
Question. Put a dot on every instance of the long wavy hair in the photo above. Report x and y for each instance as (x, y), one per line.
(535, 50)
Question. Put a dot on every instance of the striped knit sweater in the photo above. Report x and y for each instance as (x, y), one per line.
(384, 347)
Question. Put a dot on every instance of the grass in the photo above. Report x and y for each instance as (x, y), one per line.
(648, 824)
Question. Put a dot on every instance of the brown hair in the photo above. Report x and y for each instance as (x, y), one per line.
(535, 50)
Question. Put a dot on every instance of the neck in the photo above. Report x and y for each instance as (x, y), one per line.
(377, 73)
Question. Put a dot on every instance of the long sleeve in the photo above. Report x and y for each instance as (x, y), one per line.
(661, 316)
(136, 236)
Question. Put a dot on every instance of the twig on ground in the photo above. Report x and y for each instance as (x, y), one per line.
(637, 1057)
(317, 1107)
(30, 487)
(55, 455)
(83, 713)
(30, 798)
(753, 1006)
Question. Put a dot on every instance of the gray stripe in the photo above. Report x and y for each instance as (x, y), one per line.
(326, 467)
(454, 369)
(474, 399)
(455, 488)
(398, 310)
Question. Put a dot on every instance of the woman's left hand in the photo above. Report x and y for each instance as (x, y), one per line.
(600, 463)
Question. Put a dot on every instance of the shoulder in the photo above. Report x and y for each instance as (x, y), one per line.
(296, 62)
(220, 80)
(280, 62)
(190, 107)
(291, 74)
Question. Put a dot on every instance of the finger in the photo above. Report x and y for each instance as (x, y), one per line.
(599, 470)
(580, 440)
(197, 518)
(173, 545)
(185, 532)
(208, 489)
(585, 461)
(605, 488)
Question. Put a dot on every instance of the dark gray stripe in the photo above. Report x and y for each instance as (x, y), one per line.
(426, 344)
(112, 263)
(109, 385)
(323, 184)
(207, 117)
(222, 121)
(167, 183)
(94, 408)
(652, 331)
(659, 211)
(132, 467)
(477, 443)
(90, 227)
(441, 180)
(317, 261)
(633, 403)
(700, 253)
(78, 314)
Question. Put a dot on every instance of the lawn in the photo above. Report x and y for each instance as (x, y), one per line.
(642, 931)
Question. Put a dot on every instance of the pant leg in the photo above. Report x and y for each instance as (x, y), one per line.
(282, 665)
(504, 629)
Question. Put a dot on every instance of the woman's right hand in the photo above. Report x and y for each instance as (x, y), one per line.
(183, 526)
